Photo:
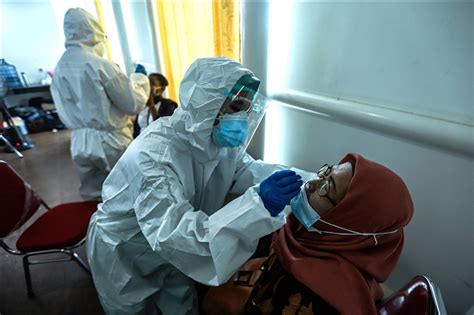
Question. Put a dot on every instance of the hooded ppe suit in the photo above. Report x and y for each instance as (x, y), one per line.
(162, 223)
(94, 98)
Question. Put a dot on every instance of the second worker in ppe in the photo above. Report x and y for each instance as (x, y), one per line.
(95, 99)
(162, 224)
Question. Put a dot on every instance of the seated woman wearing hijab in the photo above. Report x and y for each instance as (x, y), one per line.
(343, 238)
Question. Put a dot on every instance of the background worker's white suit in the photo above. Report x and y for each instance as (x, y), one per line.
(94, 98)
(162, 223)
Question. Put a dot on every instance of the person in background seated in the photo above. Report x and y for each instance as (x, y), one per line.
(343, 238)
(157, 105)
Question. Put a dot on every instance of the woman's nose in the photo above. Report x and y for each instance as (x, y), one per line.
(312, 184)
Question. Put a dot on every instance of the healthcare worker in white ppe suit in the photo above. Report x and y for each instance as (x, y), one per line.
(162, 224)
(95, 99)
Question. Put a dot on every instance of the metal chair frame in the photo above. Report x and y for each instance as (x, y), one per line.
(5, 114)
(435, 304)
(5, 140)
(436, 296)
(72, 255)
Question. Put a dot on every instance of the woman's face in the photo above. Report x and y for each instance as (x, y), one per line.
(336, 181)
(156, 88)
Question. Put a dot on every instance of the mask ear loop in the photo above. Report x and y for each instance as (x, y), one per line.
(351, 232)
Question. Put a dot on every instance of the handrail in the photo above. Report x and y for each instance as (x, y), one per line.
(444, 134)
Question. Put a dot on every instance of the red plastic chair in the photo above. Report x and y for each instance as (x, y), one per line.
(420, 296)
(59, 230)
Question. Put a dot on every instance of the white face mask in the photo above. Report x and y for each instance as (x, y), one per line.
(349, 232)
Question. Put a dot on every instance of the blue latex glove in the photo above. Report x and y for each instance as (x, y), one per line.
(278, 189)
(140, 69)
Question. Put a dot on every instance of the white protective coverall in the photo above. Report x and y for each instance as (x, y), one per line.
(162, 223)
(94, 98)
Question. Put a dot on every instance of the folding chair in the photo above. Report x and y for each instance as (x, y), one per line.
(420, 296)
(6, 141)
(20, 142)
(59, 230)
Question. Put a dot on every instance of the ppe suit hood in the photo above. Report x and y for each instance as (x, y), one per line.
(82, 29)
(202, 93)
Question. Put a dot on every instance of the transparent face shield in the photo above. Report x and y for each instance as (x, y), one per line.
(243, 101)
(255, 115)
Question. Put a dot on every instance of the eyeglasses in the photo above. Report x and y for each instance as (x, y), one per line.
(325, 187)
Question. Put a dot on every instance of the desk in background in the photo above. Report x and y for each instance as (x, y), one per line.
(21, 96)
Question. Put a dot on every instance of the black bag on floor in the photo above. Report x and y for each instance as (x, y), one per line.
(48, 112)
(33, 117)
(39, 115)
